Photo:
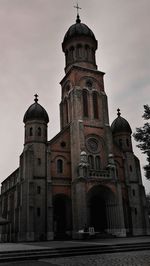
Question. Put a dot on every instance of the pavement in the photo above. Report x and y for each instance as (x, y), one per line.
(133, 258)
(71, 243)
(141, 258)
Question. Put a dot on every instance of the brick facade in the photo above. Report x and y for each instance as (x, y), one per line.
(85, 175)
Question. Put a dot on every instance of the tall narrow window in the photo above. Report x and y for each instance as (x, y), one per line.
(79, 51)
(120, 143)
(97, 163)
(91, 161)
(38, 212)
(59, 166)
(39, 131)
(127, 141)
(71, 54)
(86, 52)
(39, 161)
(95, 105)
(31, 131)
(85, 103)
(38, 190)
(66, 57)
(130, 168)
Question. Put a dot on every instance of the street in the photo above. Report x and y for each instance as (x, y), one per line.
(133, 258)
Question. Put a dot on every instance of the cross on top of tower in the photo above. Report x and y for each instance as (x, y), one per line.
(36, 98)
(77, 7)
(78, 17)
(118, 112)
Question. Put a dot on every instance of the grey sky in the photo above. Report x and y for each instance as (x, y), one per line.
(31, 61)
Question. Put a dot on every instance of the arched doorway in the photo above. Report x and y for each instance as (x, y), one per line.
(62, 216)
(101, 205)
(98, 217)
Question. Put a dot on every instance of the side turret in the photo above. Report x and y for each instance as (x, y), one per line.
(36, 120)
(33, 169)
(121, 131)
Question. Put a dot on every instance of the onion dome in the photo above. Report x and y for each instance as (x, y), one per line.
(79, 46)
(36, 112)
(120, 125)
(78, 29)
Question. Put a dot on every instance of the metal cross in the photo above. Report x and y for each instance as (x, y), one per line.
(36, 97)
(77, 7)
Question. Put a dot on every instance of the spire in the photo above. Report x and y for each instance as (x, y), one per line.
(78, 20)
(118, 112)
(36, 98)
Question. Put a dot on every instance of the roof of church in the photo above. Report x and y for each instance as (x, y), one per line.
(36, 112)
(120, 124)
(78, 29)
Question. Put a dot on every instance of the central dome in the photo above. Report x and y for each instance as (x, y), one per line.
(78, 29)
(79, 46)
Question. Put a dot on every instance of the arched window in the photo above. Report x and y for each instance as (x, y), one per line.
(85, 103)
(130, 168)
(59, 166)
(95, 105)
(97, 163)
(31, 131)
(93, 55)
(79, 51)
(91, 161)
(66, 56)
(86, 52)
(71, 54)
(38, 212)
(45, 131)
(127, 141)
(120, 143)
(39, 161)
(89, 84)
(133, 192)
(38, 190)
(39, 131)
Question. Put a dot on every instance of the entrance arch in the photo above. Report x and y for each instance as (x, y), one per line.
(101, 207)
(62, 216)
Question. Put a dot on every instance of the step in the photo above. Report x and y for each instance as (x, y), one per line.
(71, 251)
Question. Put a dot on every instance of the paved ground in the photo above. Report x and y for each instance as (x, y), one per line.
(141, 258)
(29, 263)
(73, 243)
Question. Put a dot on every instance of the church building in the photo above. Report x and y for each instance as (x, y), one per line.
(87, 175)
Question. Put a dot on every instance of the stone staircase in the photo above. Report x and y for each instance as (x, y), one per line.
(36, 254)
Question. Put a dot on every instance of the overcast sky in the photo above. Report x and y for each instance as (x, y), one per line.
(32, 61)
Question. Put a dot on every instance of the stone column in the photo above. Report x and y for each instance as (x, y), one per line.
(79, 206)
(121, 231)
(49, 205)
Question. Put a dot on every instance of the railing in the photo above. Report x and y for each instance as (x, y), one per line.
(100, 173)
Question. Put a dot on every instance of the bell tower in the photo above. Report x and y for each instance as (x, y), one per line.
(83, 96)
(84, 109)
